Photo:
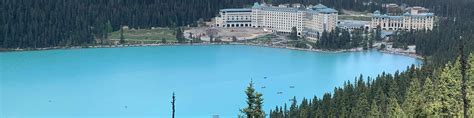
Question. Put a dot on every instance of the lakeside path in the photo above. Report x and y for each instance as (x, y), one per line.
(206, 43)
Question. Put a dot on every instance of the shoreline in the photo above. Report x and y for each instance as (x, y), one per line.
(206, 43)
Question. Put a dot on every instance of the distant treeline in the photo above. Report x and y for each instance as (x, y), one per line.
(454, 20)
(48, 23)
(433, 90)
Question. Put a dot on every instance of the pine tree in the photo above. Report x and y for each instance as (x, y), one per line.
(122, 38)
(293, 108)
(382, 100)
(463, 68)
(180, 35)
(362, 106)
(412, 102)
(259, 113)
(254, 102)
(163, 40)
(107, 29)
(294, 34)
(393, 108)
(374, 110)
(250, 92)
(470, 74)
(378, 34)
(431, 104)
(449, 90)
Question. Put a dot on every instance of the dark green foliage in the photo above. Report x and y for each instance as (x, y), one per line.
(377, 35)
(339, 39)
(294, 34)
(122, 38)
(234, 39)
(180, 35)
(440, 44)
(383, 46)
(108, 29)
(357, 38)
(301, 44)
(49, 23)
(163, 40)
(464, 82)
(398, 95)
(254, 103)
(438, 96)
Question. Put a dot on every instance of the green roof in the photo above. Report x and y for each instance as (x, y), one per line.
(256, 5)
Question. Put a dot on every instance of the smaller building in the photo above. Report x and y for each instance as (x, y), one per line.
(413, 20)
(234, 18)
(353, 24)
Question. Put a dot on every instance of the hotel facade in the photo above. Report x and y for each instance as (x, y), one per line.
(281, 19)
(408, 21)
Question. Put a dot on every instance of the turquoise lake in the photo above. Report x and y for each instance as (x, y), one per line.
(138, 82)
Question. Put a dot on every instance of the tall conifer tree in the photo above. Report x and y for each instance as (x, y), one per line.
(412, 102)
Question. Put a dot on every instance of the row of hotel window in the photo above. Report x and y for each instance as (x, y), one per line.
(407, 22)
(291, 19)
(401, 25)
(425, 18)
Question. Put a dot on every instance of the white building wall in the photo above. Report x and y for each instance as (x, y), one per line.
(280, 19)
(417, 21)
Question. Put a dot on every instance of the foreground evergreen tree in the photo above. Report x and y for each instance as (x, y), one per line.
(431, 106)
(393, 108)
(259, 113)
(449, 90)
(362, 106)
(463, 68)
(374, 110)
(254, 103)
(250, 92)
(413, 98)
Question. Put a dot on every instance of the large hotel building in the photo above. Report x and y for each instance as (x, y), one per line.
(415, 20)
(281, 19)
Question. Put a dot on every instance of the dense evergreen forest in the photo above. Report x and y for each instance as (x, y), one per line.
(49, 23)
(345, 39)
(432, 90)
(417, 92)
(454, 19)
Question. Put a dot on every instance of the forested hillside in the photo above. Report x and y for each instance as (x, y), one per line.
(48, 23)
(413, 93)
(432, 90)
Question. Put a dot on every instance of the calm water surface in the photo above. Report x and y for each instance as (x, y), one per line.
(138, 82)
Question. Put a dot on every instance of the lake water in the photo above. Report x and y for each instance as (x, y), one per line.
(138, 82)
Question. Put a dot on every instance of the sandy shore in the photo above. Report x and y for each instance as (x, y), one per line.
(207, 43)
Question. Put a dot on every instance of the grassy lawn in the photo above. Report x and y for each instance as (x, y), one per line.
(363, 18)
(145, 35)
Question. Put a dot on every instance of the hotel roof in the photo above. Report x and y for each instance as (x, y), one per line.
(237, 10)
(377, 14)
(256, 5)
(317, 9)
(323, 9)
